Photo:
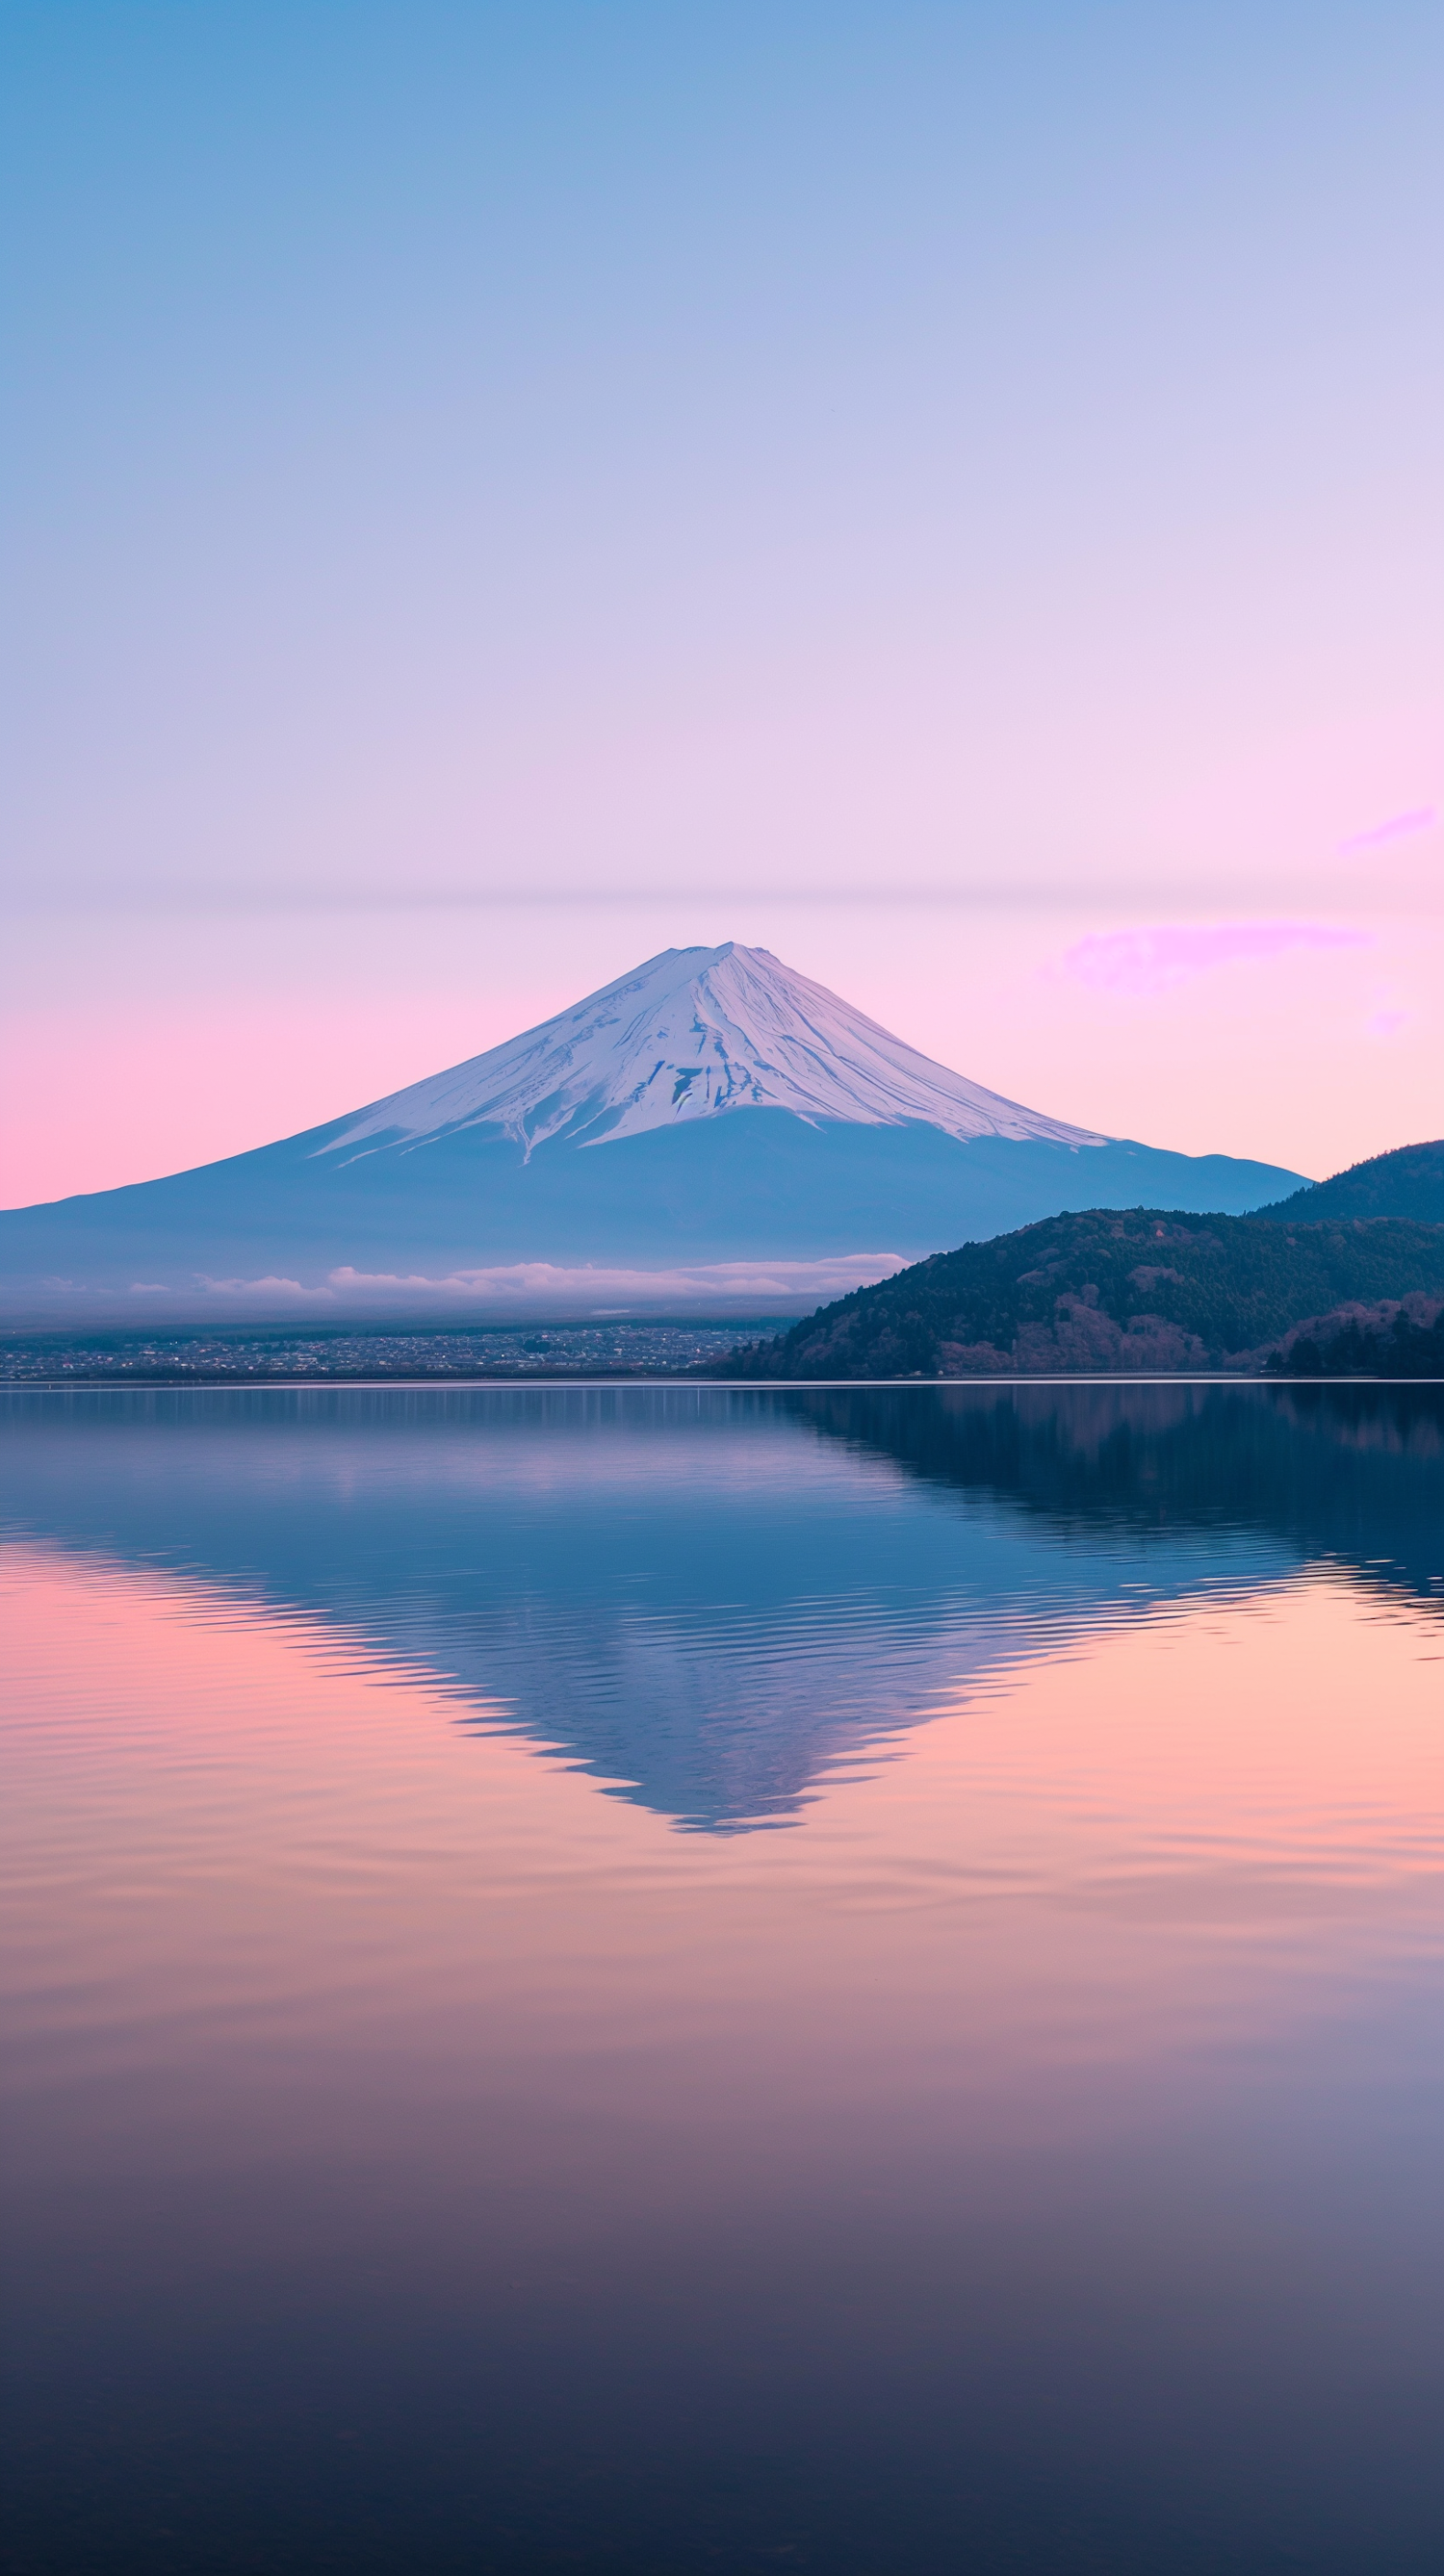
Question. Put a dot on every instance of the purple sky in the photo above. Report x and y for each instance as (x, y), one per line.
(949, 494)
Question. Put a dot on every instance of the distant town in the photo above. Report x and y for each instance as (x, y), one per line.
(618, 1348)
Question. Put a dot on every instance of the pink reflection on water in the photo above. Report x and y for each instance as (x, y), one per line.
(279, 1894)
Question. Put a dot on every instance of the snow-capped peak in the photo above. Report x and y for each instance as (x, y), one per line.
(696, 1033)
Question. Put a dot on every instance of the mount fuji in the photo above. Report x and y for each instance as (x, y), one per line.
(712, 1130)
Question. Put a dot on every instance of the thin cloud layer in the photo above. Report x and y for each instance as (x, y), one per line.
(1157, 960)
(532, 1283)
(1420, 818)
(520, 1288)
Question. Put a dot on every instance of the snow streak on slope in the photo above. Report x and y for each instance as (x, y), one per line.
(694, 1033)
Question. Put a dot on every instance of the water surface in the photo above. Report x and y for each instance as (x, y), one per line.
(681, 1979)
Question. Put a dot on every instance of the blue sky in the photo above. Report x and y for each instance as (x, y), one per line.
(496, 492)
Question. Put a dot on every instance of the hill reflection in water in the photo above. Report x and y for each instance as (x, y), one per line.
(709, 1598)
(1329, 1470)
(421, 2155)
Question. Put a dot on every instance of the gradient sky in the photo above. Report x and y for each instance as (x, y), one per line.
(950, 494)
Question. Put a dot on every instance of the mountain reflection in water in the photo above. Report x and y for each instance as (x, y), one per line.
(423, 2159)
(706, 1597)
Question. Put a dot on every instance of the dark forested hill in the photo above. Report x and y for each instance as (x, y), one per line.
(1142, 1289)
(1408, 1183)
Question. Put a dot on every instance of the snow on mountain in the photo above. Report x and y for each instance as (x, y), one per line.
(437, 1198)
(692, 1034)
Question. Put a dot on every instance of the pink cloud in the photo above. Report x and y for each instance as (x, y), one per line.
(1154, 961)
(1418, 819)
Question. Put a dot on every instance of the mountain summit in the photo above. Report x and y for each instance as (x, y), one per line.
(692, 1034)
(712, 1131)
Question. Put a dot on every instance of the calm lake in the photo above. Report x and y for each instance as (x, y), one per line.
(662, 1979)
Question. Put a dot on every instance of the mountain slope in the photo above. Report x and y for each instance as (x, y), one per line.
(693, 1034)
(709, 1111)
(1139, 1289)
(1407, 1183)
